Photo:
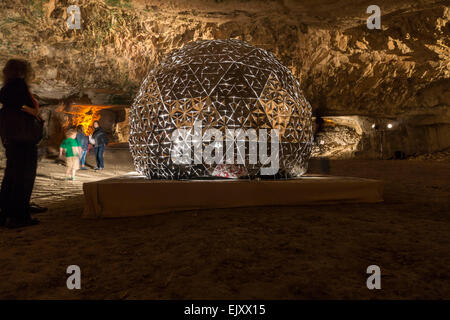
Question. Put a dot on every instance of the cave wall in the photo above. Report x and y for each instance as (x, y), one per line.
(401, 71)
(59, 118)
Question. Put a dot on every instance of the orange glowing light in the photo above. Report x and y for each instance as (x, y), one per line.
(84, 115)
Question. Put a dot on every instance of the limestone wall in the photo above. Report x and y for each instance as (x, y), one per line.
(401, 72)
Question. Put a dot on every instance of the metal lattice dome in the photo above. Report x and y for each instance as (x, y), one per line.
(224, 84)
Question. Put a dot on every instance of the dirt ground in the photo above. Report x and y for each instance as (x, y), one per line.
(305, 252)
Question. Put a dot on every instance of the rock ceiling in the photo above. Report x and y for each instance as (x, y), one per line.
(344, 68)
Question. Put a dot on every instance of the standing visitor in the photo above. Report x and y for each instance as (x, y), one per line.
(20, 130)
(83, 141)
(99, 139)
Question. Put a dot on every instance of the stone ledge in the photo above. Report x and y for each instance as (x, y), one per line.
(132, 195)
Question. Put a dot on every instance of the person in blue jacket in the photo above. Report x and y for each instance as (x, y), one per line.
(83, 141)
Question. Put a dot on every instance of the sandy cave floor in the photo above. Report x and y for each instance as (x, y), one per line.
(306, 252)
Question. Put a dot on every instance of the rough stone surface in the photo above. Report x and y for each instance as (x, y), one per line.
(344, 68)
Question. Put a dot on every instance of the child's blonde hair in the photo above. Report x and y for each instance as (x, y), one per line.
(70, 133)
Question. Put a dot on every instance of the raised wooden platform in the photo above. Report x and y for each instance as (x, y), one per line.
(132, 195)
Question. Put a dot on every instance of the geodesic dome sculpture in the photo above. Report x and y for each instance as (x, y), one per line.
(223, 85)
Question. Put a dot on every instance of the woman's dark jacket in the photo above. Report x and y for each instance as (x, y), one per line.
(100, 137)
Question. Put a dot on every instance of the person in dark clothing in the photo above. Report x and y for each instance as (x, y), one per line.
(21, 150)
(100, 140)
(83, 140)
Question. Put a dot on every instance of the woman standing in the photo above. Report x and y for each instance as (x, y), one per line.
(100, 140)
(20, 135)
